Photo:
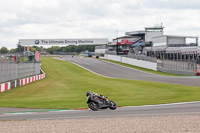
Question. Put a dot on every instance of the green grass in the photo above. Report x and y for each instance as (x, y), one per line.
(65, 86)
(142, 69)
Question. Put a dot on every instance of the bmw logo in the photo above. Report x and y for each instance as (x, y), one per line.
(37, 41)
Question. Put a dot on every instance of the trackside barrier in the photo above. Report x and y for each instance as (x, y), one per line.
(131, 61)
(20, 82)
(5, 86)
(28, 80)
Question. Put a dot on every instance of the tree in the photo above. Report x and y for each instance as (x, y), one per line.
(70, 48)
(32, 49)
(4, 50)
(81, 48)
(63, 49)
(20, 48)
(13, 51)
(53, 49)
(90, 48)
(37, 48)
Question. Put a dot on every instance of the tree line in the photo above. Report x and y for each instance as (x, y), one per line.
(71, 48)
(51, 50)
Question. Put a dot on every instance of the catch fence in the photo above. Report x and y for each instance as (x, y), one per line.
(182, 67)
(12, 70)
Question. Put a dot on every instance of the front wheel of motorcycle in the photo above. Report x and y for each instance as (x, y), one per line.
(93, 106)
(112, 106)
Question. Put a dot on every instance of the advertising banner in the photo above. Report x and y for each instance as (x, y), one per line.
(83, 41)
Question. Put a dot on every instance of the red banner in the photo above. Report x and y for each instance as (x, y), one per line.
(37, 56)
(27, 48)
(126, 41)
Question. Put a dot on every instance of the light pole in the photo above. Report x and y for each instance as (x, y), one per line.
(117, 41)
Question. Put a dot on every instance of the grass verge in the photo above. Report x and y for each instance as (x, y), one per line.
(65, 86)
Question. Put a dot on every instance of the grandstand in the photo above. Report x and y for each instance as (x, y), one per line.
(152, 42)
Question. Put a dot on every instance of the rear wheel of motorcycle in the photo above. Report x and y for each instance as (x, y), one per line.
(93, 106)
(112, 106)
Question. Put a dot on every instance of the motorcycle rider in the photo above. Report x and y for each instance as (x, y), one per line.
(95, 95)
(96, 102)
(88, 93)
(101, 97)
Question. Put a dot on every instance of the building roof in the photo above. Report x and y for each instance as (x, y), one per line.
(135, 33)
(177, 36)
(124, 37)
(155, 27)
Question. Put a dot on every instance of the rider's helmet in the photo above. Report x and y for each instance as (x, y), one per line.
(88, 93)
(94, 93)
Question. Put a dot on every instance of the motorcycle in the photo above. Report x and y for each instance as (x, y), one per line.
(96, 102)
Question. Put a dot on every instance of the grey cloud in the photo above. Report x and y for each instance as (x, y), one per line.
(96, 18)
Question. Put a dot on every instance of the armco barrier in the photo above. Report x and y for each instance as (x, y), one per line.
(8, 85)
(140, 63)
(131, 61)
(114, 57)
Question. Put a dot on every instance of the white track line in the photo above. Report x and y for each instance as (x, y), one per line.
(92, 71)
(158, 105)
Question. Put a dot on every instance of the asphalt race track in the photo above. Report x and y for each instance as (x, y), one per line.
(111, 70)
(116, 71)
(165, 109)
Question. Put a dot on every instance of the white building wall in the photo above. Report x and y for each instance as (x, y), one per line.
(149, 35)
(160, 41)
(176, 40)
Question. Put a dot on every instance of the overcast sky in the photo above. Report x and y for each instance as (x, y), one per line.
(59, 19)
